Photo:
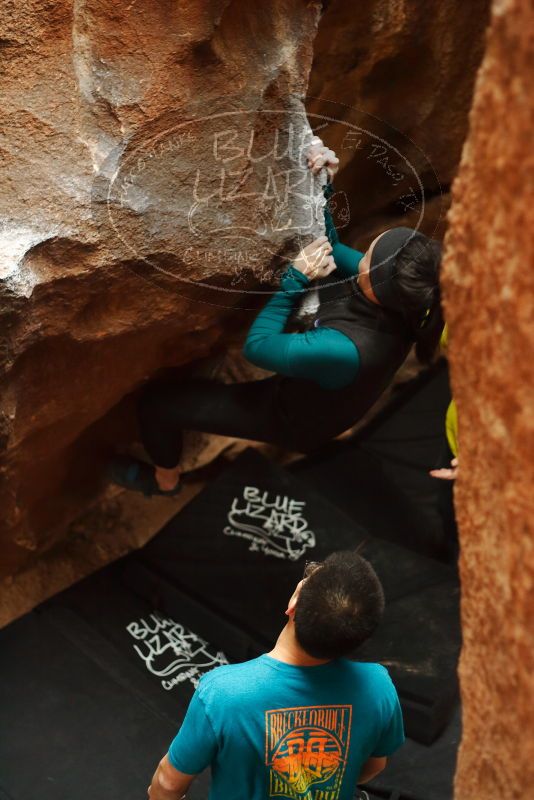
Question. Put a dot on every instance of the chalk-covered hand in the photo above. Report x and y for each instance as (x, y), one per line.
(319, 155)
(315, 260)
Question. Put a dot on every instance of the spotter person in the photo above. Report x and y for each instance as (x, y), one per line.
(303, 719)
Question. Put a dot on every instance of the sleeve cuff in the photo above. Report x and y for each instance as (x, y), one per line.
(176, 763)
(328, 190)
(293, 280)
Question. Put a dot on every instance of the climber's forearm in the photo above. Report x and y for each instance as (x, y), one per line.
(266, 342)
(347, 260)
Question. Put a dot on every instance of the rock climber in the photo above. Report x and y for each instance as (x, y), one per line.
(371, 311)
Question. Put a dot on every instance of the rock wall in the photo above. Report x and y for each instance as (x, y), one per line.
(489, 290)
(152, 180)
(403, 73)
(152, 159)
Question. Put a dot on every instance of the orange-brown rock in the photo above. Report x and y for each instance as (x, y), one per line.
(151, 171)
(489, 283)
(126, 153)
(401, 75)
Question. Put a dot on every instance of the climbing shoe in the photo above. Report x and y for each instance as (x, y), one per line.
(138, 476)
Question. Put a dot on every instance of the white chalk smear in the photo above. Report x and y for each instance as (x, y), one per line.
(15, 242)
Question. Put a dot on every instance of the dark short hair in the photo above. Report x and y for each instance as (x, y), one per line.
(339, 606)
(417, 276)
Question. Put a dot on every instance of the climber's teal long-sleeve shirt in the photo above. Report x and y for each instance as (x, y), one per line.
(324, 355)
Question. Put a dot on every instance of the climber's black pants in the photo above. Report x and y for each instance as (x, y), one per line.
(294, 414)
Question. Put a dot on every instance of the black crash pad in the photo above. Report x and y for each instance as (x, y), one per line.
(380, 477)
(419, 771)
(81, 715)
(388, 794)
(418, 641)
(163, 647)
(238, 550)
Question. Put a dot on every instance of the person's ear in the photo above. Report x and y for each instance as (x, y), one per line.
(291, 606)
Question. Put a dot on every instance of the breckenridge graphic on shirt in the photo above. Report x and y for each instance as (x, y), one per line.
(272, 524)
(306, 750)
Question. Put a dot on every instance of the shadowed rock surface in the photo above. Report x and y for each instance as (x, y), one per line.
(399, 76)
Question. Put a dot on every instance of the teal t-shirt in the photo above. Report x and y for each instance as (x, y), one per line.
(270, 729)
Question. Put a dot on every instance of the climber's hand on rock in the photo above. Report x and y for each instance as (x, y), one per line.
(446, 474)
(315, 260)
(319, 155)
